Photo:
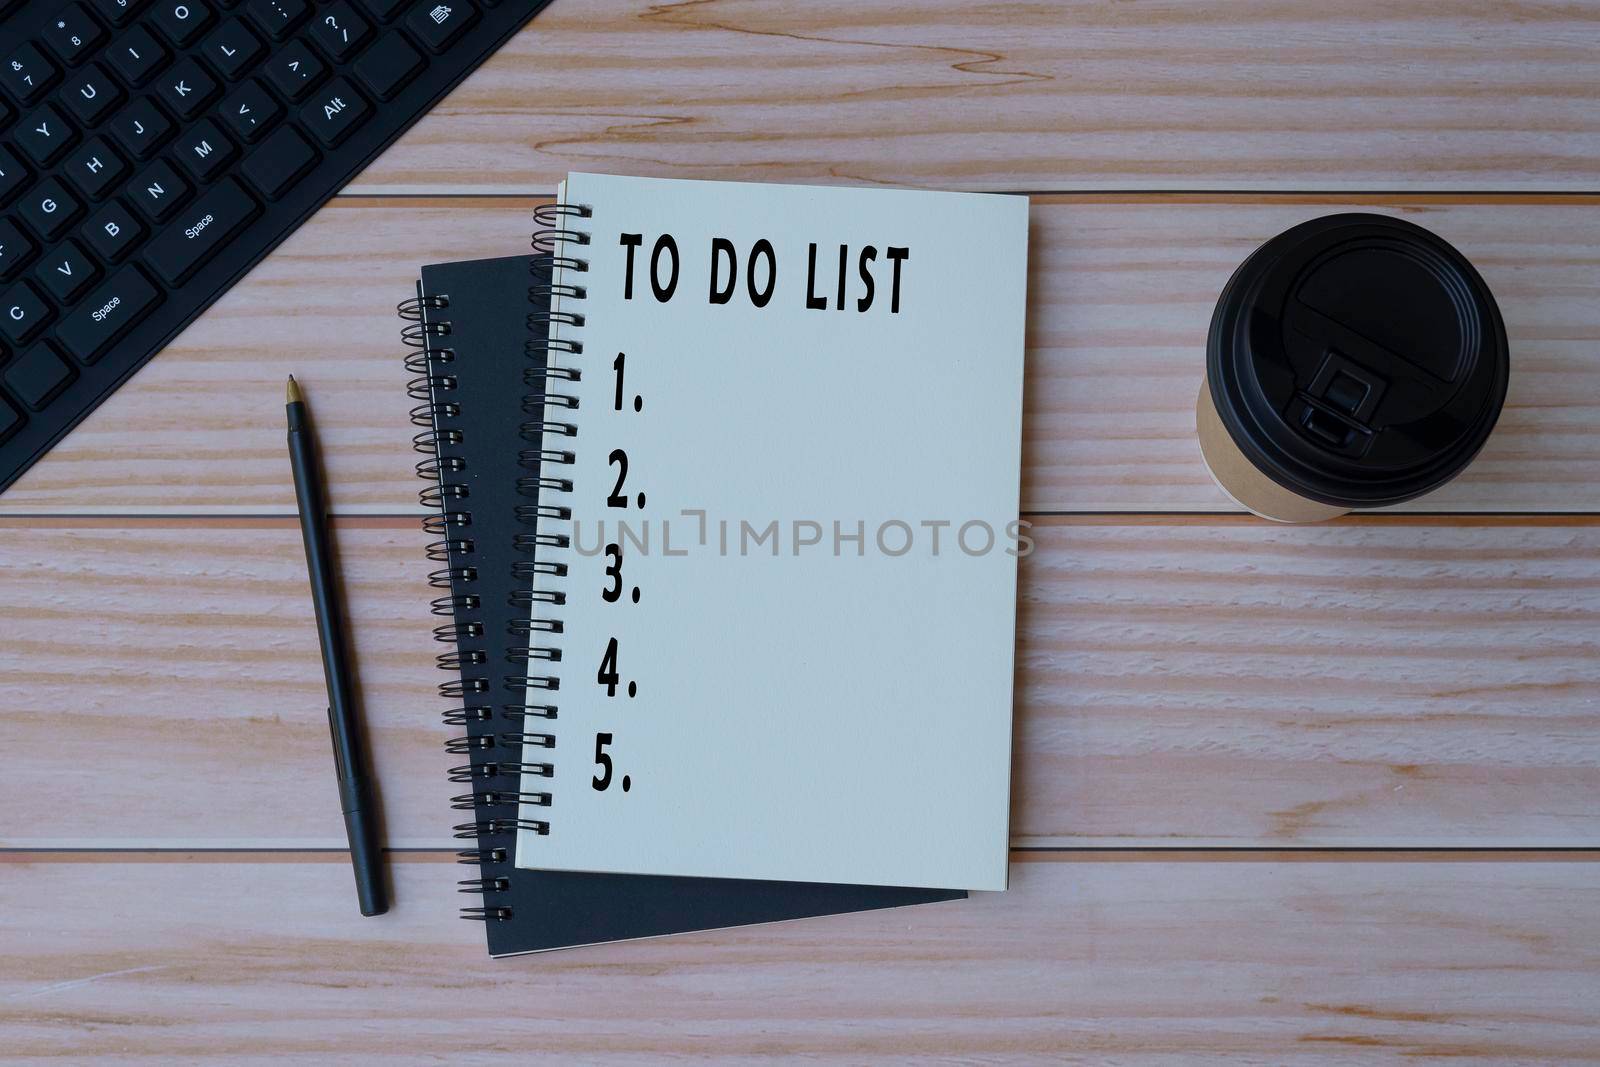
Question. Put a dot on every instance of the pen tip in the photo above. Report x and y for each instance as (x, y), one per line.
(294, 391)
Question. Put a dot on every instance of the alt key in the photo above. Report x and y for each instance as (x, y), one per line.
(334, 112)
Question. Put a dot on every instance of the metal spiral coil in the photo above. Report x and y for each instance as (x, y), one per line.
(439, 525)
(550, 242)
(524, 570)
(442, 551)
(496, 884)
(492, 798)
(524, 682)
(480, 856)
(536, 377)
(448, 577)
(465, 746)
(537, 430)
(564, 345)
(532, 513)
(532, 542)
(540, 294)
(520, 654)
(457, 688)
(429, 441)
(428, 385)
(464, 631)
(416, 334)
(524, 711)
(463, 831)
(496, 769)
(429, 469)
(450, 605)
(482, 772)
(471, 713)
(534, 485)
(462, 657)
(429, 414)
(521, 740)
(529, 627)
(411, 310)
(534, 458)
(452, 632)
(427, 360)
(434, 496)
(527, 598)
(533, 405)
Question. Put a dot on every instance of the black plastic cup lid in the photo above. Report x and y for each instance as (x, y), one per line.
(1358, 360)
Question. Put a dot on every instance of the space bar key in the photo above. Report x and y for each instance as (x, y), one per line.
(194, 236)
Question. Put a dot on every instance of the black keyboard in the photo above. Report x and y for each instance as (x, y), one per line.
(155, 150)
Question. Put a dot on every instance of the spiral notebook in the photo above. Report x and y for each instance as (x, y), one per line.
(767, 563)
(480, 442)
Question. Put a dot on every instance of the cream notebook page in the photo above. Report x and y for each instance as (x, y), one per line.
(786, 642)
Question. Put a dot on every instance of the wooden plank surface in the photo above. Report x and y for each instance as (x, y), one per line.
(1183, 681)
(1134, 958)
(1121, 292)
(1067, 94)
(1211, 682)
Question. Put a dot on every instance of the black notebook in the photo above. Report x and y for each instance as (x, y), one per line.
(479, 358)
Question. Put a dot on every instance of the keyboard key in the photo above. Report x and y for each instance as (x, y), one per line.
(26, 73)
(384, 10)
(10, 419)
(12, 175)
(15, 250)
(283, 159)
(335, 111)
(186, 88)
(181, 21)
(251, 111)
(295, 71)
(112, 231)
(141, 128)
(439, 25)
(117, 12)
(389, 65)
(22, 313)
(204, 150)
(108, 313)
(90, 94)
(71, 34)
(232, 49)
(45, 134)
(49, 208)
(277, 18)
(339, 30)
(158, 192)
(137, 56)
(65, 271)
(37, 377)
(205, 227)
(95, 168)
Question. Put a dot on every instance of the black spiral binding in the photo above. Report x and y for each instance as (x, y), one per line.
(497, 793)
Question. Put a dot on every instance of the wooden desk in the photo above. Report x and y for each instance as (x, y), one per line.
(1280, 793)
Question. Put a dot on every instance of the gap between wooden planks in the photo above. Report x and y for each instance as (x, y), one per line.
(1115, 518)
(1067, 854)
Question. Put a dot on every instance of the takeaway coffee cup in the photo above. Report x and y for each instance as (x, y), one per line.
(1354, 361)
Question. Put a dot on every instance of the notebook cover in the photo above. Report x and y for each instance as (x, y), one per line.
(489, 335)
(763, 365)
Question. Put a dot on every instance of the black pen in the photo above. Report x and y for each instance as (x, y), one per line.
(355, 788)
